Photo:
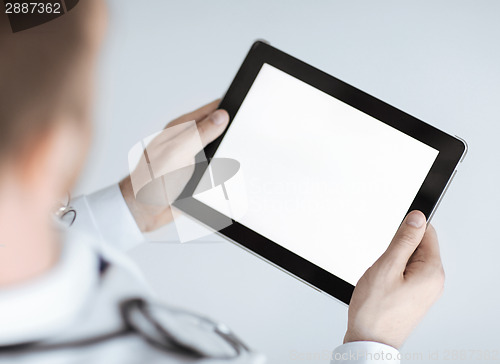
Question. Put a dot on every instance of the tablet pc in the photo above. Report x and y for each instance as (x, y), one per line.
(329, 171)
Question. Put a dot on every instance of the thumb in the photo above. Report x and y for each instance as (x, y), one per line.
(406, 240)
(212, 126)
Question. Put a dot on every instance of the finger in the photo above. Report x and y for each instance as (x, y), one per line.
(428, 249)
(198, 114)
(406, 240)
(183, 123)
(425, 265)
(213, 126)
(194, 138)
(172, 150)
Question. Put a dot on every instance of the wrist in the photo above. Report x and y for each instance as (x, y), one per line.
(355, 336)
(132, 204)
(351, 336)
(147, 217)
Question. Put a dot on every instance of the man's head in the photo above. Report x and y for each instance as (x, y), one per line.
(46, 81)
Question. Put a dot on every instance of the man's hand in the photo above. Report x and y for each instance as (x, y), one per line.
(395, 293)
(172, 153)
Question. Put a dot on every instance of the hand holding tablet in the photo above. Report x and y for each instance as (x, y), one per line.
(398, 289)
(318, 157)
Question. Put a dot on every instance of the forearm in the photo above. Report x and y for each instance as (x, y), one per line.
(147, 217)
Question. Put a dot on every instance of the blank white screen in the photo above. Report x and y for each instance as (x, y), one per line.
(324, 180)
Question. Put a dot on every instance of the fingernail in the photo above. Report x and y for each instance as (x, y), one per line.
(219, 117)
(415, 219)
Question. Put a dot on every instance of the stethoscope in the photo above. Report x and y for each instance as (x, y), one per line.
(170, 329)
(166, 328)
(65, 214)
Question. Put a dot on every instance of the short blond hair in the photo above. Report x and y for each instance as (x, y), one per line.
(40, 73)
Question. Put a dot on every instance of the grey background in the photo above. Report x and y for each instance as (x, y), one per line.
(437, 60)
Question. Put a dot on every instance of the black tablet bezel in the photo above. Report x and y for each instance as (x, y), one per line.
(451, 151)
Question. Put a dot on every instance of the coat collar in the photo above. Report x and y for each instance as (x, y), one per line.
(47, 304)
